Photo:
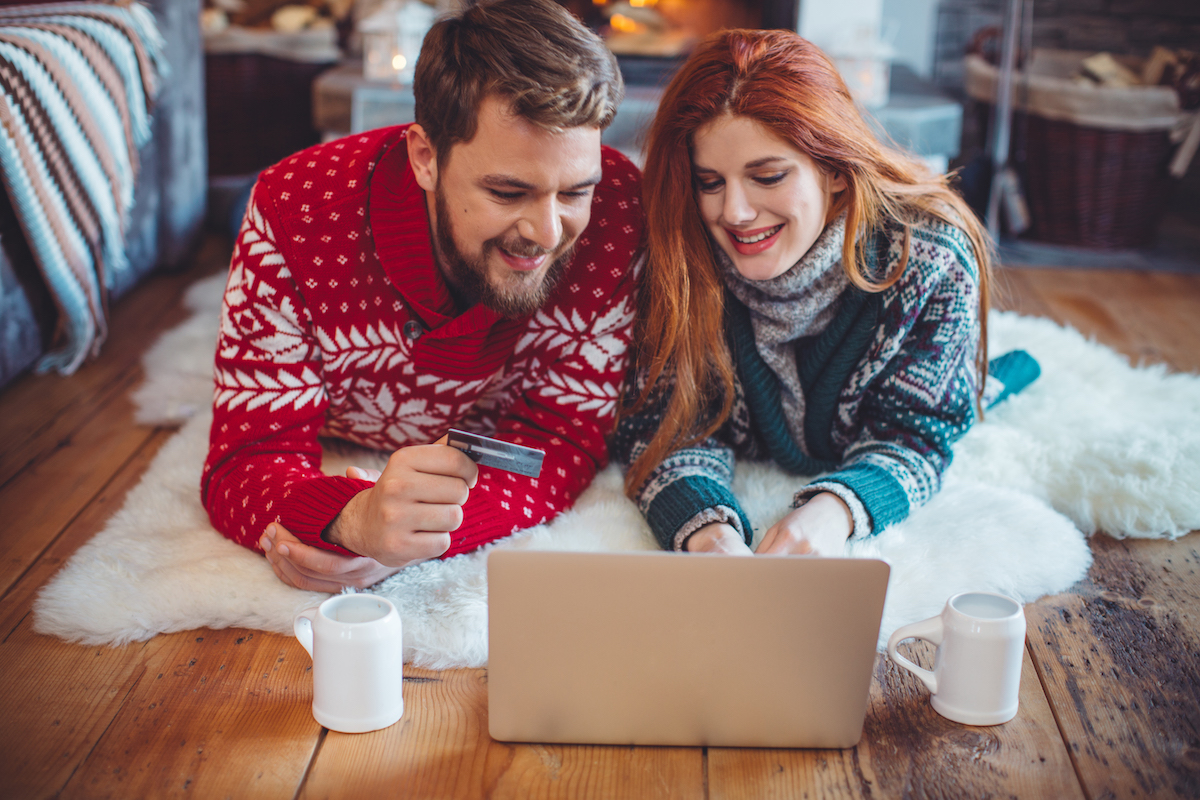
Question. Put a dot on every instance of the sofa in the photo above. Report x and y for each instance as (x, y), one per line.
(169, 199)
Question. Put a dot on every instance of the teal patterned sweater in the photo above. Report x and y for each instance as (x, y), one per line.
(889, 385)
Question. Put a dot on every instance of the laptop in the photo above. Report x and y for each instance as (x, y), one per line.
(672, 649)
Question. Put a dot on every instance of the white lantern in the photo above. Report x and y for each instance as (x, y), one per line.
(391, 39)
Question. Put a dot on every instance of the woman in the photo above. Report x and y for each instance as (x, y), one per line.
(811, 296)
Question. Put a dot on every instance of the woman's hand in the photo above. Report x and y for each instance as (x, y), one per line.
(819, 527)
(717, 537)
(313, 569)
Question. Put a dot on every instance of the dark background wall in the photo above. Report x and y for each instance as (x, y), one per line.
(1132, 27)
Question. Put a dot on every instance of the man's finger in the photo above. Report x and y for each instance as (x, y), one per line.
(417, 546)
(442, 490)
(287, 573)
(363, 474)
(435, 459)
(317, 562)
(435, 517)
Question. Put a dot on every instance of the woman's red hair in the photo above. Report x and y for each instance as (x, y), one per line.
(788, 85)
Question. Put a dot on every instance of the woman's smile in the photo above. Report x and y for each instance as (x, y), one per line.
(749, 243)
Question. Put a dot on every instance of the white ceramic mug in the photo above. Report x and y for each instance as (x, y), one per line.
(357, 649)
(976, 677)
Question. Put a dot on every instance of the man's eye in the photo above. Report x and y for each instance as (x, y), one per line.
(499, 195)
(574, 195)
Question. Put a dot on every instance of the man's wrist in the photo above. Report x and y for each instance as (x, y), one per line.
(329, 535)
(338, 531)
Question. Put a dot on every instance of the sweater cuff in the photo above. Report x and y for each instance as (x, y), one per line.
(1009, 374)
(710, 515)
(310, 505)
(878, 490)
(682, 500)
(860, 519)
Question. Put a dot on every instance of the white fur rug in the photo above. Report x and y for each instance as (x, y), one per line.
(1094, 444)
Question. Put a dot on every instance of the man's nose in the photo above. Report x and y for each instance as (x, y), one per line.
(542, 224)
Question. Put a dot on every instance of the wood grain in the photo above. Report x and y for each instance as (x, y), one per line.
(44, 411)
(59, 699)
(216, 714)
(1150, 317)
(909, 750)
(43, 499)
(1118, 657)
(1015, 290)
(441, 749)
(19, 598)
(1110, 695)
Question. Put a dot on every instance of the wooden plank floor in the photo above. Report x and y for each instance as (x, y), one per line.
(1110, 693)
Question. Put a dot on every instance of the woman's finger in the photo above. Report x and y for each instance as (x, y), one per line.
(768, 540)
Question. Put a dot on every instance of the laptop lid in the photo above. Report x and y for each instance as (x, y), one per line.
(670, 649)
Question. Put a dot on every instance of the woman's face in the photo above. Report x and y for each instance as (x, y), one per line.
(764, 201)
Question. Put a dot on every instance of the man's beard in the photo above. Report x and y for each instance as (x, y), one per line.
(518, 294)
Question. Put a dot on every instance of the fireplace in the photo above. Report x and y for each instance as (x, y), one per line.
(651, 38)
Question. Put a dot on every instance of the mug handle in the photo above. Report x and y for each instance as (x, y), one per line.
(931, 630)
(302, 625)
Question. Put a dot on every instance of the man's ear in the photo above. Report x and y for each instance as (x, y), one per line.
(421, 157)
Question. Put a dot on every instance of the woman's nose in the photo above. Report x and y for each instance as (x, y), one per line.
(737, 208)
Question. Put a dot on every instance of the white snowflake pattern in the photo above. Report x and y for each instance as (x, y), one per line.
(384, 419)
(599, 342)
(235, 388)
(380, 347)
(499, 394)
(587, 395)
(609, 337)
(256, 327)
(548, 329)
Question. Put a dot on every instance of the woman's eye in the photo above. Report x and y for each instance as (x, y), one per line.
(770, 180)
(709, 186)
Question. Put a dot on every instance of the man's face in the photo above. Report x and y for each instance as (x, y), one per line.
(509, 206)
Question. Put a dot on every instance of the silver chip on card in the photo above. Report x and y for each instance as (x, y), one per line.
(491, 452)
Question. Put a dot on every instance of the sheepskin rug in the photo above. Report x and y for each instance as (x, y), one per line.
(1094, 444)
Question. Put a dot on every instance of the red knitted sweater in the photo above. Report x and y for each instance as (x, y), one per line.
(337, 321)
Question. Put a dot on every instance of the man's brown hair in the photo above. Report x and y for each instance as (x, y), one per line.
(534, 54)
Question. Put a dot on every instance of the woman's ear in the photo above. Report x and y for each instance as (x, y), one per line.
(837, 183)
(422, 157)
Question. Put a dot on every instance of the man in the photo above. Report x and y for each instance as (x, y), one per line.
(470, 270)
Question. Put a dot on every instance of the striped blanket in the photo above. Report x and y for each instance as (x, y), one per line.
(77, 80)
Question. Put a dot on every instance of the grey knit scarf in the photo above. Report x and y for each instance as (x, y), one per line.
(799, 303)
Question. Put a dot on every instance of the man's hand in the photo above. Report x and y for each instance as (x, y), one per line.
(305, 567)
(717, 537)
(407, 516)
(819, 527)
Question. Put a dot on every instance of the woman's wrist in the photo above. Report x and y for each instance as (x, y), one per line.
(715, 537)
(832, 510)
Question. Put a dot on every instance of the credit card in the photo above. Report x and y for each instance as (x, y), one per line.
(494, 453)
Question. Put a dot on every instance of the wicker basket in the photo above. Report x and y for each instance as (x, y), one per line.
(1103, 184)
